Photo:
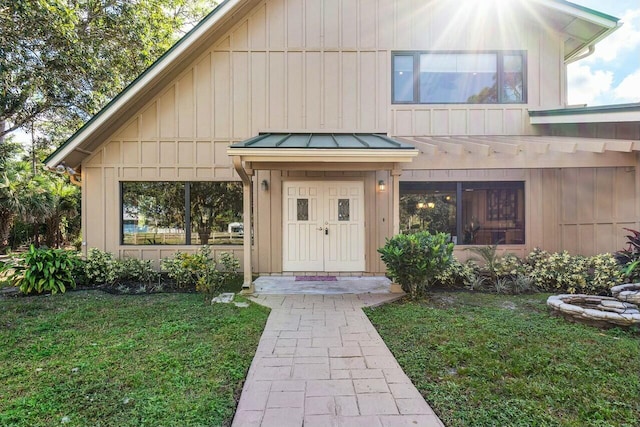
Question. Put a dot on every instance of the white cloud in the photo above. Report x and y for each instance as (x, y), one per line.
(629, 88)
(626, 38)
(587, 86)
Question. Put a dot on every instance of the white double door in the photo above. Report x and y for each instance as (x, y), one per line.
(323, 226)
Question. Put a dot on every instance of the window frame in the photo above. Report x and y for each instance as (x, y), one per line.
(500, 54)
(460, 187)
(187, 210)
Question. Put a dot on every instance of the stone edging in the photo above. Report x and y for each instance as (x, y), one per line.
(629, 292)
(595, 310)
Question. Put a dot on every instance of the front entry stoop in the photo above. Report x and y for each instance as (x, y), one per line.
(289, 285)
(320, 362)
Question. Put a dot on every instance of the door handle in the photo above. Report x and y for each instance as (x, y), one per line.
(320, 228)
(326, 231)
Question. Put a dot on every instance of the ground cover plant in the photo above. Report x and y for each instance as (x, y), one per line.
(494, 360)
(91, 358)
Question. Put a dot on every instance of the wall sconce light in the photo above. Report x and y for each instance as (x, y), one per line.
(420, 205)
(431, 205)
(264, 185)
(381, 185)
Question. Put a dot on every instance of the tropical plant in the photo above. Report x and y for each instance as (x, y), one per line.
(629, 258)
(415, 260)
(43, 270)
(65, 206)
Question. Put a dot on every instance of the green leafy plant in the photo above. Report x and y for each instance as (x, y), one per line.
(43, 270)
(604, 273)
(458, 274)
(135, 270)
(415, 260)
(629, 258)
(201, 271)
(100, 267)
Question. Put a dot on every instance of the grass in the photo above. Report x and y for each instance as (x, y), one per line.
(90, 358)
(491, 360)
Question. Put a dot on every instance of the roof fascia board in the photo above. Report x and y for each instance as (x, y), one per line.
(581, 12)
(603, 117)
(153, 72)
(342, 155)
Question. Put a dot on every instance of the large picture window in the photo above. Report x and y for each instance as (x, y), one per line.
(473, 213)
(181, 213)
(458, 77)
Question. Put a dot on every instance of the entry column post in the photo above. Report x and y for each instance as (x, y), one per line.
(247, 285)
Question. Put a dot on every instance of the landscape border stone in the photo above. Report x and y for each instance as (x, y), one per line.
(594, 310)
(629, 292)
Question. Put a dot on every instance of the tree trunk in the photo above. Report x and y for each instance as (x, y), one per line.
(6, 222)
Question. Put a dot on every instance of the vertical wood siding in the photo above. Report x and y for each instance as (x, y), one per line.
(311, 65)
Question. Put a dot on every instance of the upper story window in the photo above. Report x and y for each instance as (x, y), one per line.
(459, 77)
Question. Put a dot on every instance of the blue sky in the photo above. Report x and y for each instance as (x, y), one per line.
(612, 74)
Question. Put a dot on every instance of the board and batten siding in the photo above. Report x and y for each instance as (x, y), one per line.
(309, 65)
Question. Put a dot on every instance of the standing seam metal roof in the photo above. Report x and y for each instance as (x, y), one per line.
(323, 141)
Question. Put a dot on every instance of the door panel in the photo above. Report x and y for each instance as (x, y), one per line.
(303, 237)
(323, 226)
(344, 214)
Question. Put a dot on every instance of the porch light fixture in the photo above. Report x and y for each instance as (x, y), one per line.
(381, 185)
(264, 185)
(431, 205)
(420, 205)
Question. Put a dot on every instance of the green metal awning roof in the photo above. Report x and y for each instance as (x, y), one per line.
(323, 148)
(323, 141)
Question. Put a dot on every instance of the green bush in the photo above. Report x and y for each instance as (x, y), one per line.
(135, 270)
(201, 271)
(100, 267)
(562, 272)
(604, 273)
(43, 270)
(458, 274)
(510, 266)
(415, 260)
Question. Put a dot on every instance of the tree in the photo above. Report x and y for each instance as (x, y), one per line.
(61, 60)
(65, 206)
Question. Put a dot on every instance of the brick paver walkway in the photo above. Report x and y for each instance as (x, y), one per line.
(320, 362)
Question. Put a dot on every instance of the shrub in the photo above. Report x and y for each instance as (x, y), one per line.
(201, 271)
(458, 274)
(100, 267)
(184, 268)
(135, 270)
(510, 266)
(604, 274)
(43, 270)
(558, 271)
(414, 260)
(573, 273)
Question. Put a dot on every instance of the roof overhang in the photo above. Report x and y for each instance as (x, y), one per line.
(582, 27)
(600, 114)
(323, 148)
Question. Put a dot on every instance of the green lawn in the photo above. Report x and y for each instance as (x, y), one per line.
(489, 360)
(94, 359)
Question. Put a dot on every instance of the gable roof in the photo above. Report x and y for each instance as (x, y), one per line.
(582, 27)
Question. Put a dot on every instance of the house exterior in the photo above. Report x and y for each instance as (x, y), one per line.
(327, 126)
